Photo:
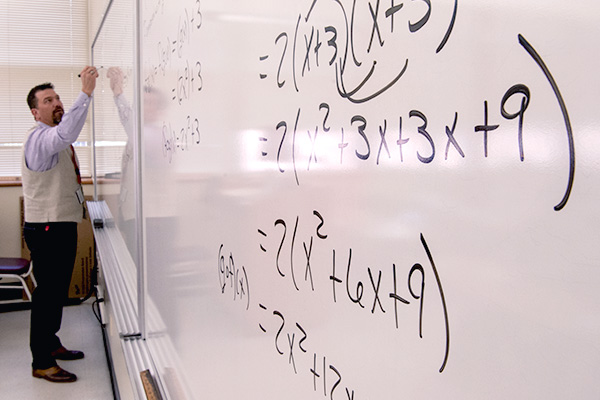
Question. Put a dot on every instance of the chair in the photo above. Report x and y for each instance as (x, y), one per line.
(15, 270)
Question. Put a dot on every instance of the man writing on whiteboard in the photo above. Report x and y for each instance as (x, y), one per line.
(53, 199)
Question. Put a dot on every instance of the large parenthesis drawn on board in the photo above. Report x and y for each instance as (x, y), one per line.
(450, 27)
(443, 298)
(341, 64)
(538, 59)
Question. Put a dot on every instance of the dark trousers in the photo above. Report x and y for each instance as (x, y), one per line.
(53, 248)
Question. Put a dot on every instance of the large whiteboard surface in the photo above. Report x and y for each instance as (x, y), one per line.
(372, 199)
(114, 118)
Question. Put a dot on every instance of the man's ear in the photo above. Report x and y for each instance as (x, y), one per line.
(35, 113)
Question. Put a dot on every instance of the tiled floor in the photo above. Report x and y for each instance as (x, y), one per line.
(81, 331)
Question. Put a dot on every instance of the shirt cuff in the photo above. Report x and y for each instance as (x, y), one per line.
(83, 100)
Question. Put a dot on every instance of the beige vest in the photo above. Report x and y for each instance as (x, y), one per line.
(50, 196)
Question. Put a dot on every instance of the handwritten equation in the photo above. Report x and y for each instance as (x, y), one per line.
(376, 291)
(302, 50)
(309, 42)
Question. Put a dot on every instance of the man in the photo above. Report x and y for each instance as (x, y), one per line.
(53, 206)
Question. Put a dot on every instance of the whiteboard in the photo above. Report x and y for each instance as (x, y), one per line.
(113, 54)
(372, 199)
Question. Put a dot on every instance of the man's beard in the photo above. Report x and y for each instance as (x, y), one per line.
(57, 115)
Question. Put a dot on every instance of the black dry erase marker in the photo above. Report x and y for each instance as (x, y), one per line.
(100, 67)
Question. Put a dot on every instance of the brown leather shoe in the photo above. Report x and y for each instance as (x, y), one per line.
(54, 374)
(63, 354)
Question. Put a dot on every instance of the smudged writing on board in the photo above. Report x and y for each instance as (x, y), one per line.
(189, 81)
(159, 9)
(174, 47)
(172, 55)
(181, 139)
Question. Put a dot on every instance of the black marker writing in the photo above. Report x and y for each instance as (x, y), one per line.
(321, 369)
(348, 280)
(441, 290)
(563, 109)
(233, 277)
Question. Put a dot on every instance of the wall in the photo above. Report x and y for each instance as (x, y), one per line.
(10, 217)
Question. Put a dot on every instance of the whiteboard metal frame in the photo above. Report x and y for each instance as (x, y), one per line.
(133, 357)
(95, 174)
